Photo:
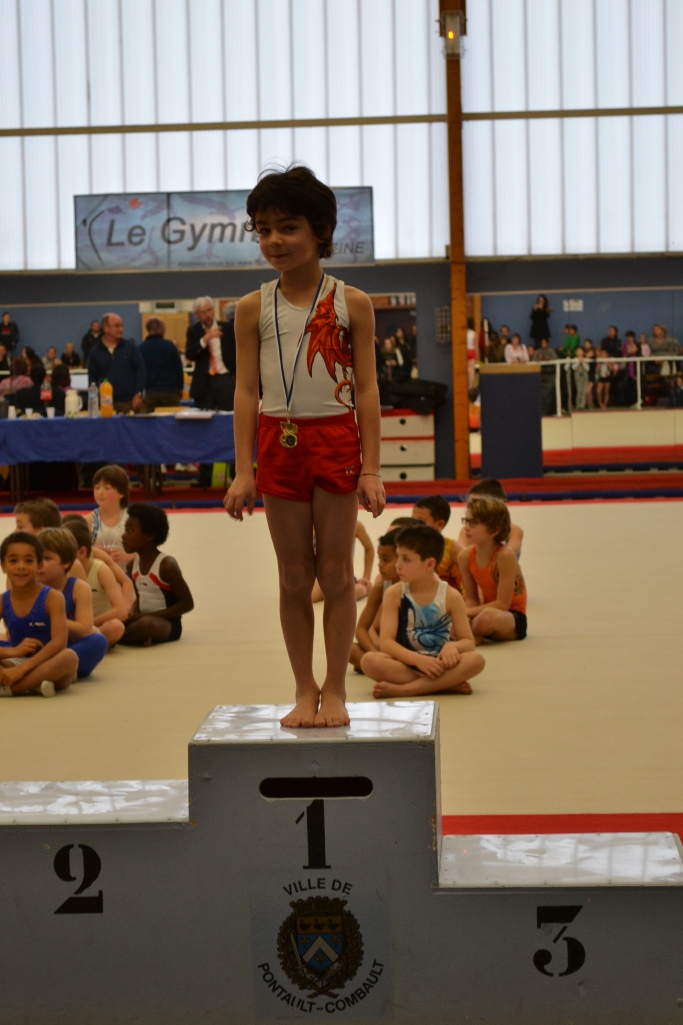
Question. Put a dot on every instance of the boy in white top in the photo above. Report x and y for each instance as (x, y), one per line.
(316, 460)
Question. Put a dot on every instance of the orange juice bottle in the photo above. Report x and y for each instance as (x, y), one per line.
(106, 398)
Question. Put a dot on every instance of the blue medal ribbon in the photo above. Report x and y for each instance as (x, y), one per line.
(290, 391)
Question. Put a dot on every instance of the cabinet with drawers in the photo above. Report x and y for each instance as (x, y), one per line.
(407, 445)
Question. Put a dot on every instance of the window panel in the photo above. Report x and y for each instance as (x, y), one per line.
(413, 201)
(612, 42)
(106, 155)
(35, 24)
(508, 55)
(674, 192)
(308, 48)
(377, 65)
(580, 185)
(614, 184)
(439, 178)
(577, 54)
(140, 162)
(344, 156)
(206, 60)
(40, 183)
(310, 148)
(241, 62)
(379, 171)
(342, 66)
(137, 46)
(274, 60)
(673, 30)
(12, 255)
(436, 70)
(208, 160)
(104, 44)
(511, 198)
(545, 187)
(477, 70)
(175, 162)
(71, 71)
(412, 37)
(10, 92)
(649, 185)
(647, 50)
(74, 180)
(172, 62)
(276, 147)
(478, 179)
(242, 157)
(543, 54)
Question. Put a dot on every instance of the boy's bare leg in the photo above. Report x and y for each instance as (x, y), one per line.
(112, 629)
(335, 519)
(146, 631)
(355, 656)
(61, 669)
(291, 528)
(494, 623)
(392, 677)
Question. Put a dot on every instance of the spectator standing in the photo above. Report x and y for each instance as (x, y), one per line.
(625, 384)
(515, 352)
(70, 357)
(644, 346)
(389, 359)
(18, 379)
(504, 335)
(590, 356)
(404, 355)
(164, 379)
(611, 343)
(604, 378)
(540, 314)
(118, 360)
(90, 338)
(581, 379)
(9, 333)
(545, 354)
(571, 342)
(50, 359)
(4, 362)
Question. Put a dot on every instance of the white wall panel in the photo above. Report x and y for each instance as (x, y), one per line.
(580, 185)
(577, 54)
(40, 177)
(613, 53)
(106, 163)
(378, 59)
(37, 70)
(412, 30)
(649, 184)
(241, 61)
(105, 62)
(342, 59)
(10, 78)
(308, 47)
(74, 180)
(175, 162)
(545, 188)
(477, 63)
(478, 177)
(543, 65)
(172, 61)
(647, 53)
(673, 31)
(439, 192)
(615, 216)
(12, 250)
(508, 55)
(511, 187)
(674, 192)
(437, 78)
(379, 171)
(274, 61)
(345, 159)
(413, 200)
(310, 148)
(242, 156)
(208, 160)
(140, 170)
(70, 62)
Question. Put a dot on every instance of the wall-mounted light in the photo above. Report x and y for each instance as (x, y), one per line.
(452, 32)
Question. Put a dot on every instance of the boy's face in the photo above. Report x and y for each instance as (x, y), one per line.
(410, 567)
(419, 513)
(23, 523)
(20, 564)
(285, 241)
(386, 558)
(105, 494)
(133, 538)
(52, 569)
(476, 532)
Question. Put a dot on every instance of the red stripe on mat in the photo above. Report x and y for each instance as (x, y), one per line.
(637, 822)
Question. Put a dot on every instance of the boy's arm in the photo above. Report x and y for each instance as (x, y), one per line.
(515, 539)
(56, 610)
(82, 625)
(461, 631)
(364, 538)
(122, 578)
(362, 320)
(243, 489)
(118, 609)
(469, 583)
(169, 571)
(424, 664)
(367, 617)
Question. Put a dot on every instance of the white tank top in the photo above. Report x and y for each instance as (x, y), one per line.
(154, 594)
(324, 370)
(108, 537)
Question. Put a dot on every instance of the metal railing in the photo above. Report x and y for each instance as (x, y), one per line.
(662, 363)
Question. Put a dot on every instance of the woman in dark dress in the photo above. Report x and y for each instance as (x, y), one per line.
(540, 328)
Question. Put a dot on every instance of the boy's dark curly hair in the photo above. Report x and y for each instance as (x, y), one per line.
(298, 192)
(152, 519)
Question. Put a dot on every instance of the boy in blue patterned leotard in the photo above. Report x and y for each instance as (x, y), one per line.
(425, 638)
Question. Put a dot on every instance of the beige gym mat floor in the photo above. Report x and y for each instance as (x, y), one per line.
(583, 716)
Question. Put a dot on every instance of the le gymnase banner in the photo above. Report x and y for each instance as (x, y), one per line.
(191, 230)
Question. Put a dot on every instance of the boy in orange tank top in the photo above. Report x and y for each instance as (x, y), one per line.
(316, 460)
(489, 564)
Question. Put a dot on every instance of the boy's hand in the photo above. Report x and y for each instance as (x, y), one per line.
(371, 494)
(449, 655)
(367, 584)
(118, 556)
(29, 646)
(241, 492)
(11, 675)
(429, 666)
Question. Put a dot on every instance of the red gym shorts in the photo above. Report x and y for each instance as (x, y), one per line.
(327, 456)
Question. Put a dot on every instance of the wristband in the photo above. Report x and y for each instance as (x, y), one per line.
(370, 475)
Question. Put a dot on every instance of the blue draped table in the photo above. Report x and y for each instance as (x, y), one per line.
(143, 440)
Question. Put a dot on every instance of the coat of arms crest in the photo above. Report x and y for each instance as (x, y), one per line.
(319, 945)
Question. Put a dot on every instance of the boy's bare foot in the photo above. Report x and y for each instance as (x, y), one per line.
(459, 688)
(332, 710)
(384, 689)
(305, 710)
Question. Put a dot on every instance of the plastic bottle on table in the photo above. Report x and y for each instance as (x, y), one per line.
(93, 401)
(106, 398)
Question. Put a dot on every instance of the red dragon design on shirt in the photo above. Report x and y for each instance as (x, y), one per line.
(333, 341)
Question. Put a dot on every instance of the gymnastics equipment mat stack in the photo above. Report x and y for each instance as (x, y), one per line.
(511, 441)
(305, 878)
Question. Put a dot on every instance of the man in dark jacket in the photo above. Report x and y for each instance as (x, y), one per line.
(9, 333)
(90, 339)
(211, 347)
(118, 360)
(163, 367)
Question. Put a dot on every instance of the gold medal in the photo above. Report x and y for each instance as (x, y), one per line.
(288, 438)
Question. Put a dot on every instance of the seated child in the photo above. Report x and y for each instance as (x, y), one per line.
(403, 521)
(163, 594)
(120, 575)
(364, 583)
(491, 486)
(108, 604)
(435, 511)
(59, 552)
(36, 657)
(35, 515)
(110, 490)
(425, 639)
(488, 565)
(386, 557)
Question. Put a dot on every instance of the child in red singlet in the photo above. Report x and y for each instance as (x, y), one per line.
(310, 341)
(488, 563)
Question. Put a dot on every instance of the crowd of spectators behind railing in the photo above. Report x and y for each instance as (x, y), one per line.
(590, 375)
(396, 356)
